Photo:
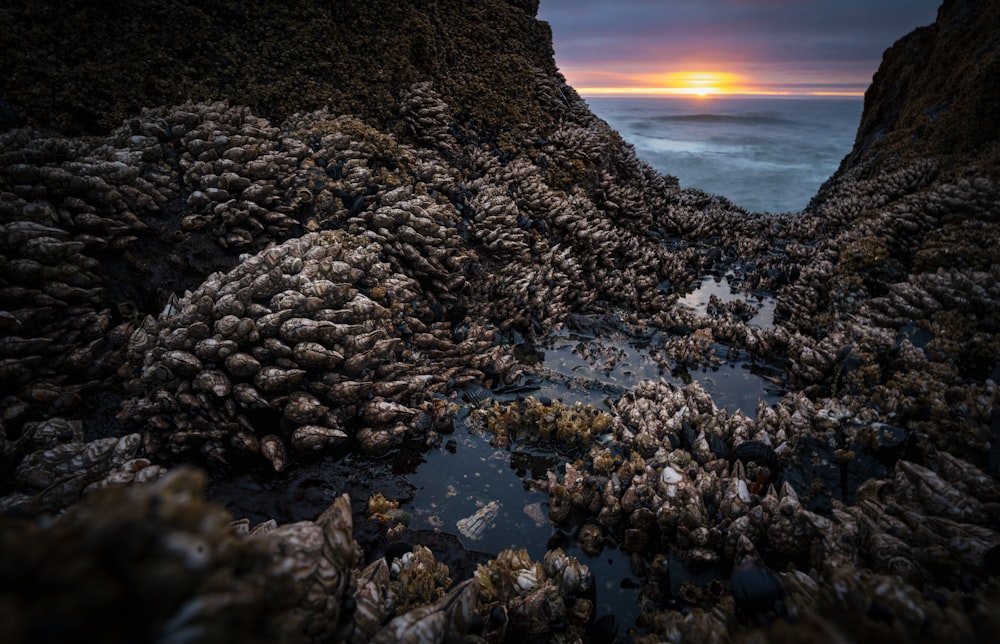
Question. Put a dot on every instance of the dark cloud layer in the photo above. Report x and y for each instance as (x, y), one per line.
(769, 42)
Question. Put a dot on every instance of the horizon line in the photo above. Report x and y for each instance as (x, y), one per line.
(686, 92)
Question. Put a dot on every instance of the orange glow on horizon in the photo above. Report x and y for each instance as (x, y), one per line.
(670, 91)
(695, 84)
(701, 84)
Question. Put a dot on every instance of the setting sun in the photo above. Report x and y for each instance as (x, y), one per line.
(698, 83)
(693, 83)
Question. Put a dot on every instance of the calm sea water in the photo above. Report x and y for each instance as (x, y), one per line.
(765, 154)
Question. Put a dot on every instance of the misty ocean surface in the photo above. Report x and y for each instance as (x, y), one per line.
(764, 154)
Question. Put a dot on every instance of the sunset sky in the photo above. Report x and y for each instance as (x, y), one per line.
(706, 47)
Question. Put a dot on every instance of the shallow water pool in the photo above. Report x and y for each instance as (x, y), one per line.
(450, 483)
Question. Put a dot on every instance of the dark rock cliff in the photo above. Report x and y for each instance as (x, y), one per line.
(81, 67)
(937, 90)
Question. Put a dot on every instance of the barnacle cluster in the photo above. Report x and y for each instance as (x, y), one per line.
(242, 290)
(549, 420)
(199, 573)
(294, 331)
(66, 205)
(524, 597)
(57, 464)
(417, 579)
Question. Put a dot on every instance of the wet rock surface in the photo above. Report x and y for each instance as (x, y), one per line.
(309, 298)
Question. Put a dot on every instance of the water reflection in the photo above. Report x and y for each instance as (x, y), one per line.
(594, 361)
(453, 483)
(578, 366)
(701, 298)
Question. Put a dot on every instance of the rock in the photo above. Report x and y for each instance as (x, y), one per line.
(363, 227)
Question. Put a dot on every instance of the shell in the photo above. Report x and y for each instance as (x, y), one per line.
(273, 449)
(303, 408)
(474, 527)
(379, 441)
(242, 365)
(312, 438)
(246, 395)
(276, 379)
(315, 355)
(182, 363)
(214, 382)
(385, 412)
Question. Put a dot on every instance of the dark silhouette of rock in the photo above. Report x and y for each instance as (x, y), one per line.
(937, 90)
(81, 67)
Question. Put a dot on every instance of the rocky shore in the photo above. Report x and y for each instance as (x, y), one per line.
(260, 240)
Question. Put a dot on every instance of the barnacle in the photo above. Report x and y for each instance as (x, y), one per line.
(360, 277)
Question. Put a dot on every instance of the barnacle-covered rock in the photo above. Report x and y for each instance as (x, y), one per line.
(162, 545)
(277, 291)
(531, 597)
(569, 425)
(282, 334)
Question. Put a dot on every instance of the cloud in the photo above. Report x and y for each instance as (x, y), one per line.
(769, 41)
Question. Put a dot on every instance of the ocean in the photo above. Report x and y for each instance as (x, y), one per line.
(765, 154)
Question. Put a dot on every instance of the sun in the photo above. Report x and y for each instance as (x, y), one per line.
(696, 84)
(700, 84)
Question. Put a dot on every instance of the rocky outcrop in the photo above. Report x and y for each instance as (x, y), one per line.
(908, 235)
(936, 92)
(359, 226)
(83, 67)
